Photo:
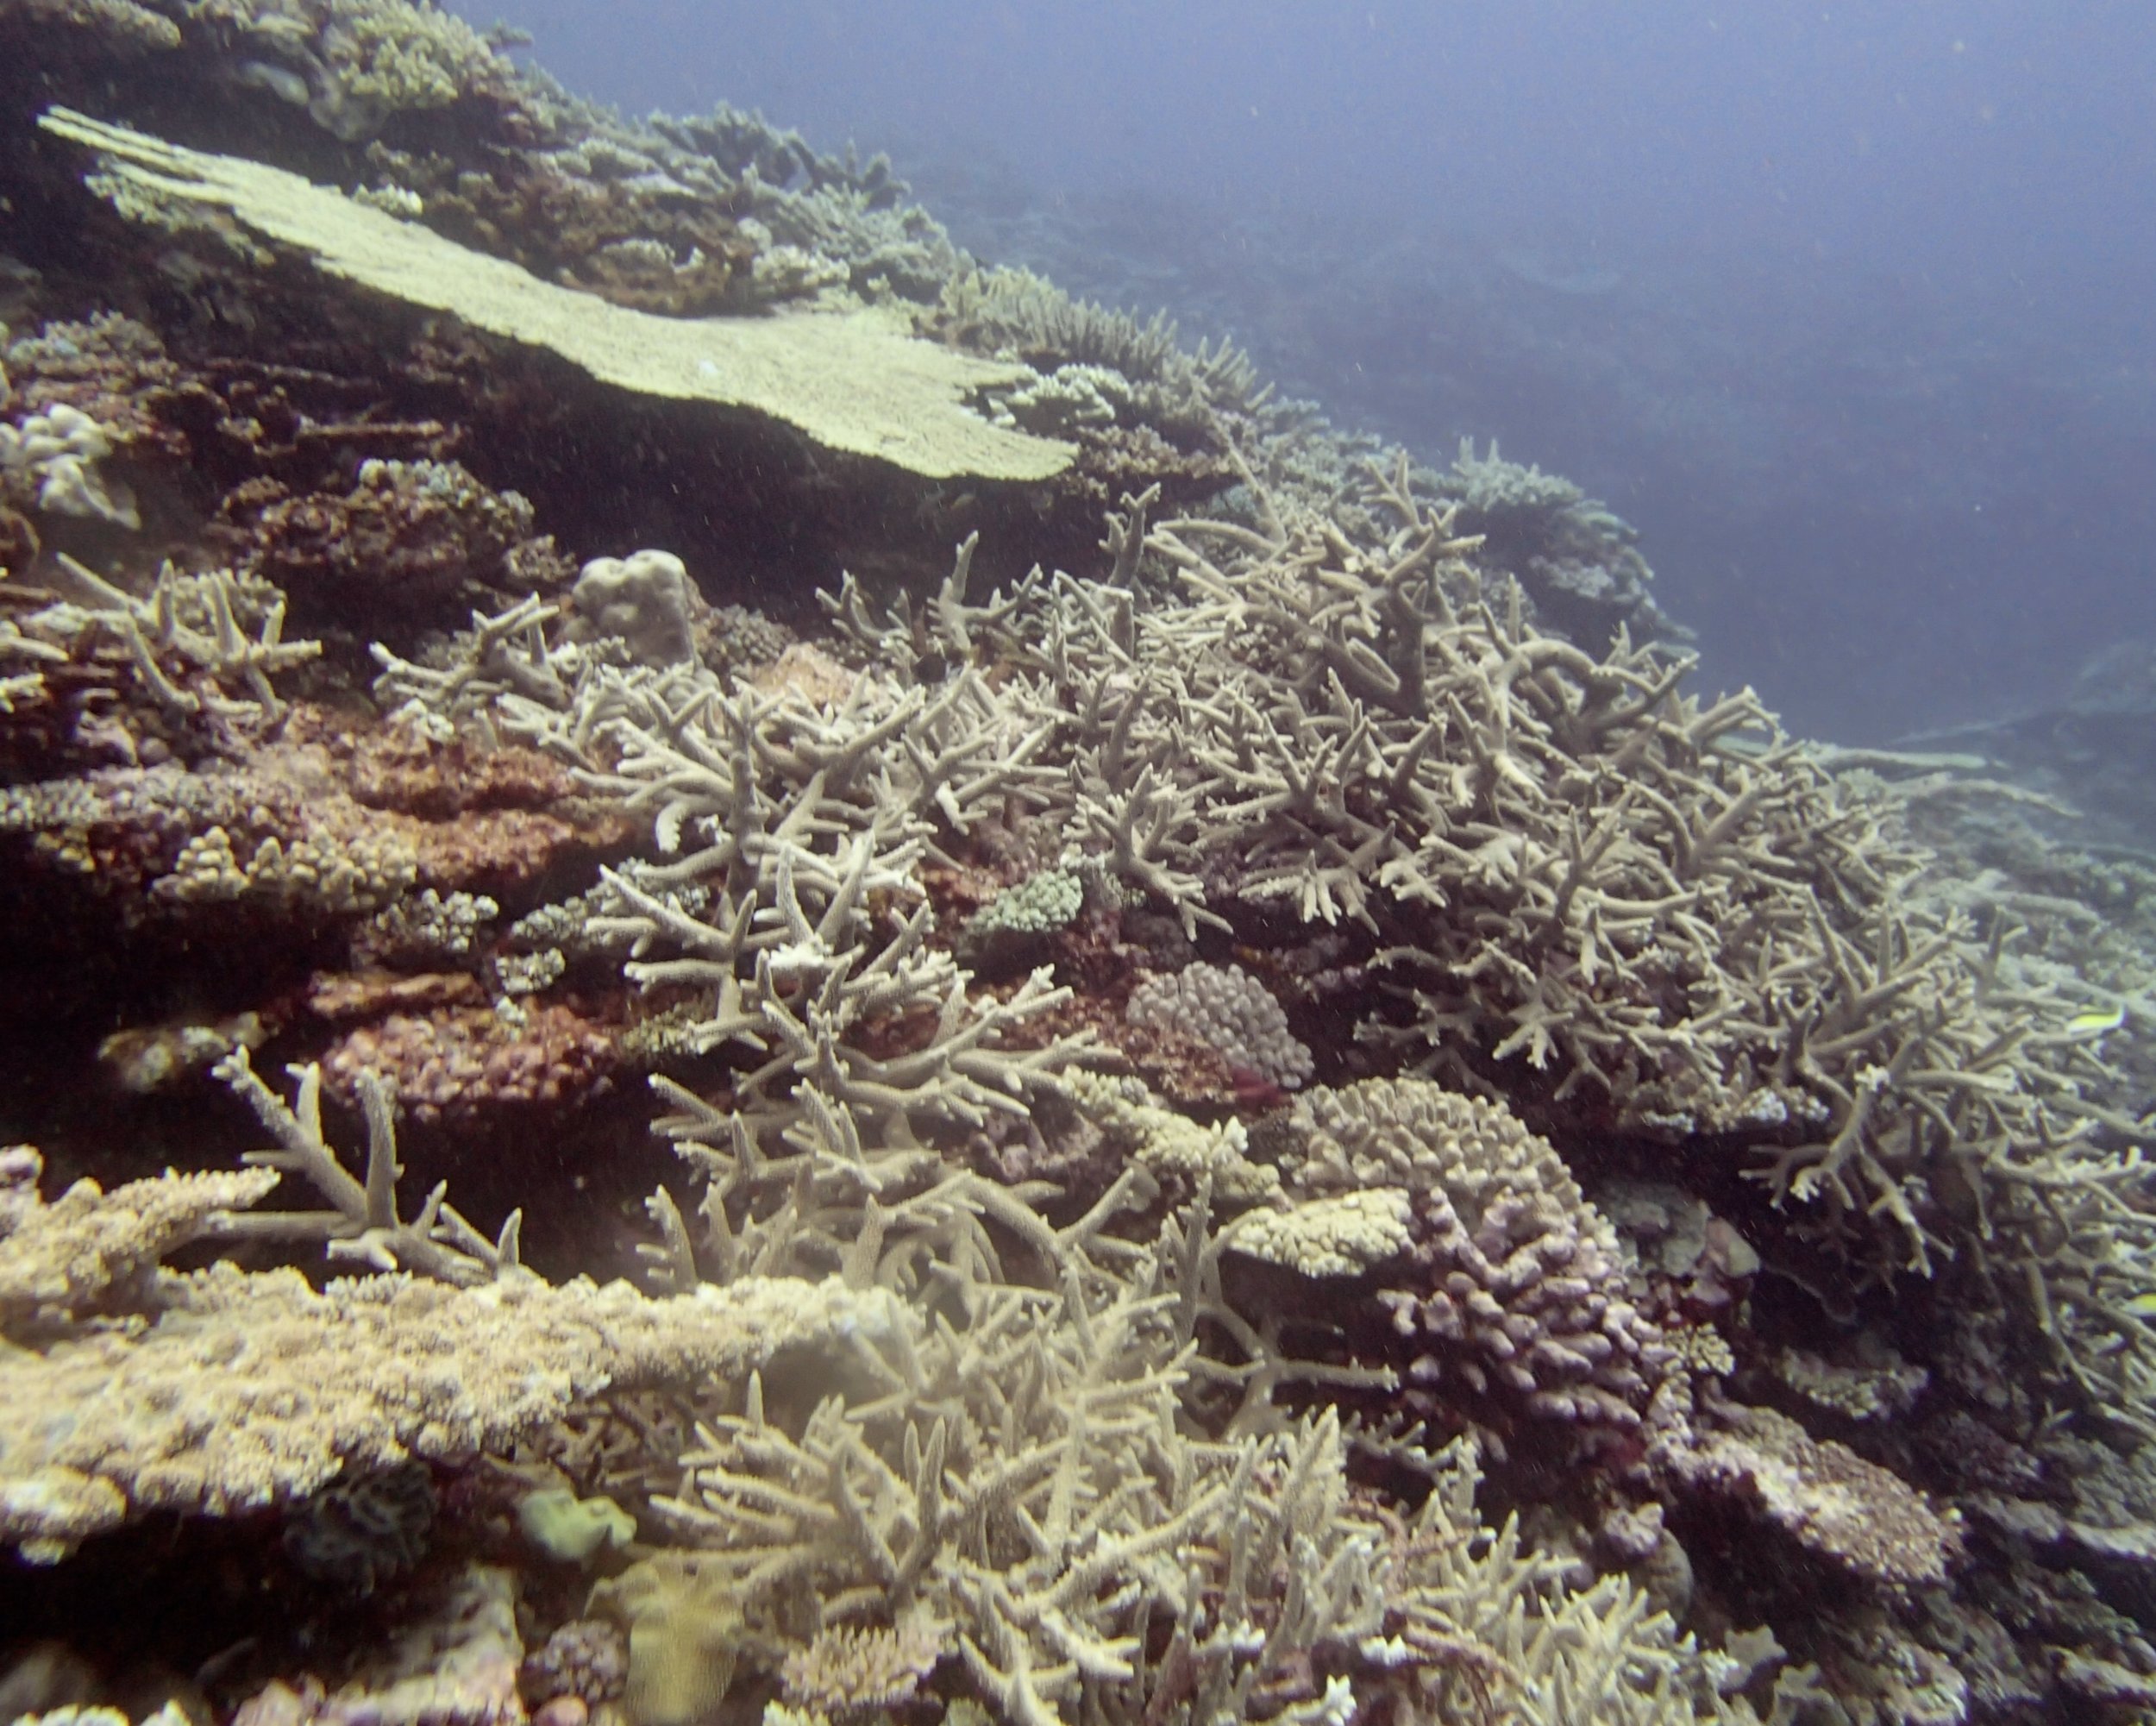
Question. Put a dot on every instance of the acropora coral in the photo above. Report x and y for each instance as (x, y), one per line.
(1105, 1056)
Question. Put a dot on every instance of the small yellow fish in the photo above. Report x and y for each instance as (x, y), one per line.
(2141, 1306)
(2095, 1024)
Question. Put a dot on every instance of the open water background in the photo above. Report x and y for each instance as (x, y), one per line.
(1848, 307)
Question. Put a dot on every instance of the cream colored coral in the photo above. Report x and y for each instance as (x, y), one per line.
(1169, 1143)
(224, 1404)
(1413, 1133)
(55, 454)
(849, 1669)
(122, 22)
(351, 876)
(69, 1254)
(75, 1714)
(1341, 1236)
(1518, 1283)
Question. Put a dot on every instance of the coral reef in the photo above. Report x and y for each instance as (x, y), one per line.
(1260, 1114)
(419, 535)
(1515, 1281)
(1579, 563)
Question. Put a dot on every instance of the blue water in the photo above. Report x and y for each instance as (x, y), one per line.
(1844, 306)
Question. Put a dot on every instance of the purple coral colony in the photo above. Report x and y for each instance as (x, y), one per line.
(1104, 1055)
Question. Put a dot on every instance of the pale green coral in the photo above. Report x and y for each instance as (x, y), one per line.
(856, 381)
(352, 64)
(570, 1529)
(1039, 905)
(123, 22)
(1169, 1143)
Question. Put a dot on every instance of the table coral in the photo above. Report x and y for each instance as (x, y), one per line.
(217, 1404)
(854, 381)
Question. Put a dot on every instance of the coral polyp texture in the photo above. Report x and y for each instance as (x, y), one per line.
(1199, 1084)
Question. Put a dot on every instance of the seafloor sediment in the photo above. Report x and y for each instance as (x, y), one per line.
(1104, 1054)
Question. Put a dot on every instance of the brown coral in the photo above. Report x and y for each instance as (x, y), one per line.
(462, 1064)
(1854, 1514)
(409, 536)
(401, 768)
(111, 367)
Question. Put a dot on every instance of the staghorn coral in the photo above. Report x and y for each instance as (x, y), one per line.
(787, 948)
(686, 217)
(882, 1513)
(1670, 939)
(1016, 312)
(1014, 1474)
(1576, 877)
(187, 638)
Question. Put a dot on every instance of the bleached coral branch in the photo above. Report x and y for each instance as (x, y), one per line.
(362, 1223)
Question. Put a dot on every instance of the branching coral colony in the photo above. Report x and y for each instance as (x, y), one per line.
(1258, 1136)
